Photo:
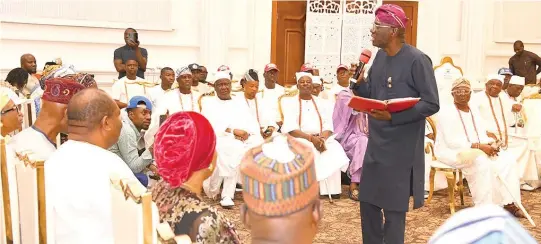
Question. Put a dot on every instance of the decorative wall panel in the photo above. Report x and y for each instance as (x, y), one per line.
(323, 36)
(337, 32)
(358, 19)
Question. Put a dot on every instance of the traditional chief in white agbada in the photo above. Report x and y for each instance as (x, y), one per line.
(309, 120)
(462, 143)
(499, 113)
(181, 99)
(236, 132)
(77, 175)
(259, 109)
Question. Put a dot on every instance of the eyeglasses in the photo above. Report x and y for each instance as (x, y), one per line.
(14, 108)
(376, 26)
(461, 92)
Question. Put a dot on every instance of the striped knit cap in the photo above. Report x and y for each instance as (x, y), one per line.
(279, 177)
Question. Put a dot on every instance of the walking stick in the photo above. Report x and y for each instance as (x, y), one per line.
(328, 191)
(516, 123)
(520, 206)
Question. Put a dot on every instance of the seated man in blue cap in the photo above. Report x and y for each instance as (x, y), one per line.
(139, 111)
(507, 74)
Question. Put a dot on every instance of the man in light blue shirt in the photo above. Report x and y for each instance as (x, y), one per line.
(138, 113)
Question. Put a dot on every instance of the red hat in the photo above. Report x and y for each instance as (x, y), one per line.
(307, 67)
(270, 67)
(342, 66)
(60, 90)
(223, 68)
(184, 144)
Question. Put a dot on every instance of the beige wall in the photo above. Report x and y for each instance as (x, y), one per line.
(478, 34)
(175, 33)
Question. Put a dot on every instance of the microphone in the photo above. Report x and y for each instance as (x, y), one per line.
(363, 60)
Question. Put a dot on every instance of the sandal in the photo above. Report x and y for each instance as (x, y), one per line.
(511, 208)
(354, 195)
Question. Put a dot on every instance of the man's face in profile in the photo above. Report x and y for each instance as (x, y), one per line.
(29, 64)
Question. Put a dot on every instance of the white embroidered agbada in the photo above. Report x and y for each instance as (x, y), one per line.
(493, 117)
(453, 147)
(270, 98)
(260, 111)
(232, 114)
(77, 183)
(314, 120)
(31, 139)
(124, 89)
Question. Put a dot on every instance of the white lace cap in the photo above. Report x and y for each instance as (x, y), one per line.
(278, 149)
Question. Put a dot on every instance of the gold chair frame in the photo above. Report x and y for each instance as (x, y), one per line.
(39, 166)
(450, 175)
(143, 198)
(287, 94)
(448, 60)
(5, 193)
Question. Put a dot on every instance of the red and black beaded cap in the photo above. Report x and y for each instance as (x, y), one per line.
(60, 90)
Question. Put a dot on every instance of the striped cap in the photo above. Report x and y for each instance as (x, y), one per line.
(279, 177)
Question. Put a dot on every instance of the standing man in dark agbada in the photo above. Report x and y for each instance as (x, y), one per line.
(130, 51)
(393, 168)
(525, 63)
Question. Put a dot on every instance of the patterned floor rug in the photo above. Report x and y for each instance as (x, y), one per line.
(341, 222)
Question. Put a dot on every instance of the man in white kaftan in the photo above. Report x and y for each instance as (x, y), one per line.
(167, 77)
(77, 175)
(462, 143)
(130, 85)
(182, 98)
(498, 114)
(314, 118)
(236, 132)
(271, 91)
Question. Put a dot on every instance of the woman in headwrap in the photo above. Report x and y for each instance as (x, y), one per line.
(184, 150)
(11, 120)
(10, 116)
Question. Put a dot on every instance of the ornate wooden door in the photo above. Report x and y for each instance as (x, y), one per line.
(288, 38)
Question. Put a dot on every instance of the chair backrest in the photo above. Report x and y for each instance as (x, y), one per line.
(446, 73)
(532, 117)
(432, 123)
(32, 205)
(287, 94)
(28, 109)
(200, 100)
(135, 216)
(6, 225)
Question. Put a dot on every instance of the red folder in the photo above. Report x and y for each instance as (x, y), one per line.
(393, 105)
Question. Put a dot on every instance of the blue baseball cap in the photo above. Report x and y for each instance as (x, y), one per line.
(505, 71)
(135, 102)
